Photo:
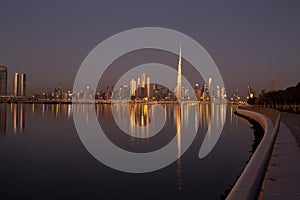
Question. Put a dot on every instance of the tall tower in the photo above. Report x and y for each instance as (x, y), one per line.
(143, 80)
(209, 87)
(148, 86)
(132, 85)
(3, 81)
(178, 89)
(16, 84)
(23, 85)
(19, 85)
(273, 84)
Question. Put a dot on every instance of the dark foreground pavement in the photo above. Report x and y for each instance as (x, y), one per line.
(283, 175)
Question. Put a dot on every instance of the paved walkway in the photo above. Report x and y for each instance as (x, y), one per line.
(283, 175)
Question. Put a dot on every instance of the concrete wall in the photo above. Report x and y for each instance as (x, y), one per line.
(249, 184)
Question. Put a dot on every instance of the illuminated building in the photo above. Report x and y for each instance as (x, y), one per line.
(23, 85)
(209, 86)
(250, 92)
(132, 85)
(197, 92)
(218, 92)
(3, 81)
(143, 80)
(19, 85)
(16, 84)
(179, 85)
(148, 87)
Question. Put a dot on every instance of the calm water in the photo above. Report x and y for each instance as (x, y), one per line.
(42, 157)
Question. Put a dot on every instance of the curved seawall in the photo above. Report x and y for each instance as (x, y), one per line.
(249, 184)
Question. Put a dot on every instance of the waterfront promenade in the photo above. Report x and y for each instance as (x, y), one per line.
(282, 179)
(274, 169)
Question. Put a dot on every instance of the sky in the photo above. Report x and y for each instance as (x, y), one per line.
(250, 41)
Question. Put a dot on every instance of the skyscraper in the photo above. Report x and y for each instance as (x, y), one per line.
(19, 84)
(209, 86)
(16, 84)
(178, 88)
(143, 80)
(3, 81)
(148, 87)
(197, 92)
(132, 85)
(23, 85)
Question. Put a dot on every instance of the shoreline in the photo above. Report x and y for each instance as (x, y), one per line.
(22, 101)
(258, 133)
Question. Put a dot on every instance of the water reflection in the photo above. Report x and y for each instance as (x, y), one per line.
(2, 119)
(18, 117)
(139, 119)
(179, 178)
(178, 132)
(139, 115)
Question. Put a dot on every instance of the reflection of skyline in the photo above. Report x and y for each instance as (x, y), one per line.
(139, 116)
(2, 119)
(178, 133)
(18, 117)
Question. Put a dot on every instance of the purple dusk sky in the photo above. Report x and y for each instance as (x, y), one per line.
(249, 41)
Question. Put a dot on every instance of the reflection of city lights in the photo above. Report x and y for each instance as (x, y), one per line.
(18, 115)
(178, 129)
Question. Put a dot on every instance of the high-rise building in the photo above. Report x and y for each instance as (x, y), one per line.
(205, 93)
(23, 85)
(132, 85)
(148, 87)
(197, 92)
(250, 92)
(3, 81)
(179, 85)
(209, 86)
(139, 82)
(218, 92)
(223, 94)
(16, 84)
(143, 80)
(19, 85)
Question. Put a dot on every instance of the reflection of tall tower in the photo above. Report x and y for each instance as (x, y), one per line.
(18, 115)
(178, 89)
(3, 81)
(178, 130)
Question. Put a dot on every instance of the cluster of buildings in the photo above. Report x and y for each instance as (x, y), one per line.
(207, 93)
(143, 89)
(19, 83)
(137, 89)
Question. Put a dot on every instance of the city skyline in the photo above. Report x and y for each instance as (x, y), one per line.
(149, 99)
(248, 49)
